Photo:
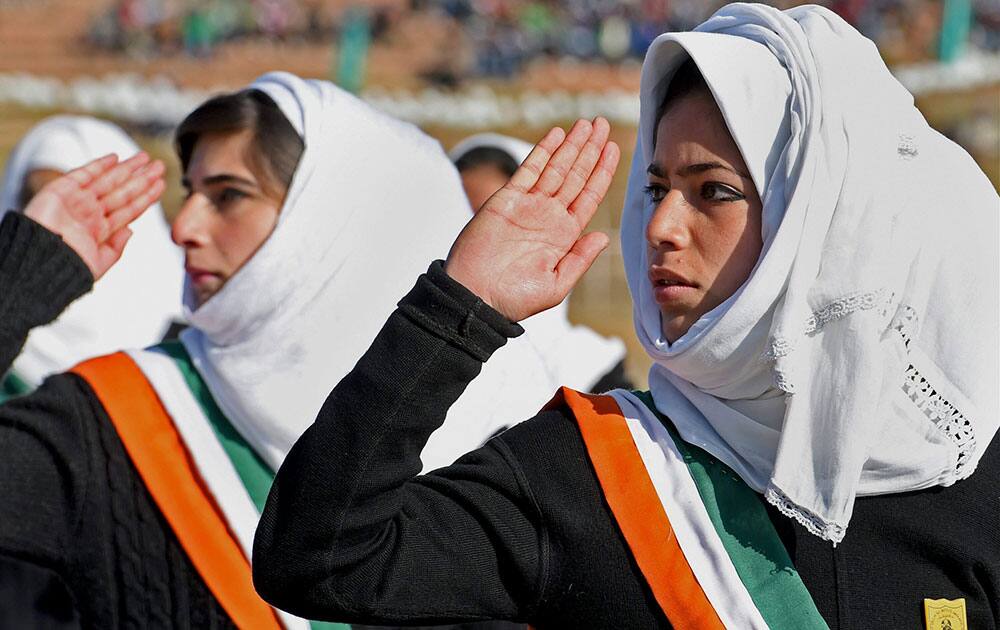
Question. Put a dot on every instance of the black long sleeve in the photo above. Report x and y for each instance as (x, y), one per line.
(350, 533)
(377, 515)
(82, 543)
(39, 275)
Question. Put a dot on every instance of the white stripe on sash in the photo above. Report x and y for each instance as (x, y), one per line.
(696, 535)
(209, 457)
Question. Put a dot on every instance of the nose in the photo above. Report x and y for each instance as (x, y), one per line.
(190, 227)
(667, 226)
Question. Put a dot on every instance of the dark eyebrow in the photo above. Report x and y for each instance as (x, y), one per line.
(693, 169)
(220, 179)
(226, 178)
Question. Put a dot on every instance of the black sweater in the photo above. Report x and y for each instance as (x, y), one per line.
(81, 541)
(519, 529)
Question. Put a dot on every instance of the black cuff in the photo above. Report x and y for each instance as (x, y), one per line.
(443, 306)
(39, 275)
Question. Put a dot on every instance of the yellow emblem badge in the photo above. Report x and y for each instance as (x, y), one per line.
(945, 614)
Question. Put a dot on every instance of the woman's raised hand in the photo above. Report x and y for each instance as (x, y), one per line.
(91, 207)
(525, 249)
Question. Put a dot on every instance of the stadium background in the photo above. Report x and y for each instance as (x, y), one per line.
(454, 67)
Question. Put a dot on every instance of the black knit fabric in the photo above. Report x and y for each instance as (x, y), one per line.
(519, 529)
(39, 275)
(73, 505)
(82, 544)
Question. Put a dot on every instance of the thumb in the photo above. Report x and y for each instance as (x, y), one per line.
(110, 251)
(578, 260)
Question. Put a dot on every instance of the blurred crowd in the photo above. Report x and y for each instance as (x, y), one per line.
(159, 27)
(509, 33)
(500, 37)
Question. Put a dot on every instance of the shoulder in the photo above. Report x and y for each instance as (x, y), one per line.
(550, 436)
(57, 406)
(548, 452)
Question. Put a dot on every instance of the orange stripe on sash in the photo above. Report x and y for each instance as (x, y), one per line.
(638, 511)
(169, 473)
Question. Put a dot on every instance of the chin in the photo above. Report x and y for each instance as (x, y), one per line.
(676, 327)
(200, 297)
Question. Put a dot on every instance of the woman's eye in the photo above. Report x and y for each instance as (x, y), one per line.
(230, 195)
(714, 191)
(655, 192)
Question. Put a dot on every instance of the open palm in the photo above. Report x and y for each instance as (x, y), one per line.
(91, 207)
(525, 249)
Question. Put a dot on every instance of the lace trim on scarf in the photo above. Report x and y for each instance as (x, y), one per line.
(783, 346)
(813, 523)
(939, 410)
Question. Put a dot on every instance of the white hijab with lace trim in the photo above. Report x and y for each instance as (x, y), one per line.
(136, 300)
(373, 201)
(574, 356)
(860, 357)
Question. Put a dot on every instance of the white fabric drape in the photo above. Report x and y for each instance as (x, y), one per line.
(135, 301)
(861, 356)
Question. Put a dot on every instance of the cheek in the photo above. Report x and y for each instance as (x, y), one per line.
(239, 238)
(736, 241)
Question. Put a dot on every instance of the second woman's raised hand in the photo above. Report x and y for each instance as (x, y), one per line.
(91, 207)
(525, 249)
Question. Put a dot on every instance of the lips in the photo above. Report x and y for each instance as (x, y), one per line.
(198, 276)
(669, 286)
(661, 277)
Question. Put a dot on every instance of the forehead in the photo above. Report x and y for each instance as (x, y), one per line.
(221, 152)
(693, 128)
(485, 173)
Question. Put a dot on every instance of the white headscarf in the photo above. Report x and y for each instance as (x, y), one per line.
(373, 201)
(860, 357)
(516, 148)
(574, 356)
(135, 301)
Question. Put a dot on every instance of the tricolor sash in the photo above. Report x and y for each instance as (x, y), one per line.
(700, 536)
(206, 480)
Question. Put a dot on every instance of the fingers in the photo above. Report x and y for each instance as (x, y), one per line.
(145, 197)
(579, 172)
(131, 187)
(92, 170)
(526, 176)
(115, 177)
(562, 161)
(587, 201)
(579, 259)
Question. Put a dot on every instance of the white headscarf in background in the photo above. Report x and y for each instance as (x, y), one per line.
(574, 356)
(373, 201)
(135, 301)
(860, 357)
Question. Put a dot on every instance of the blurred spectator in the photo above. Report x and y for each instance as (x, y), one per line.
(198, 33)
(500, 37)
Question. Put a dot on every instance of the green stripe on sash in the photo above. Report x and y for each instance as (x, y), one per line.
(13, 386)
(749, 537)
(255, 474)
